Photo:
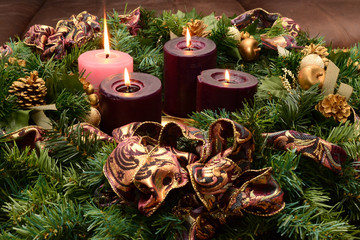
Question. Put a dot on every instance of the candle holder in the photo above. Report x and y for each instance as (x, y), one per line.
(181, 68)
(214, 92)
(120, 104)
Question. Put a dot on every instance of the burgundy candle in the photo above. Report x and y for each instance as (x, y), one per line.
(138, 101)
(182, 65)
(214, 91)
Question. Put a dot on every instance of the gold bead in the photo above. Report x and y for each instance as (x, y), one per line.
(90, 89)
(311, 75)
(94, 117)
(249, 49)
(94, 99)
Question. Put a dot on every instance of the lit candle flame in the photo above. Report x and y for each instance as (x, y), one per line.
(106, 39)
(127, 78)
(188, 38)
(227, 76)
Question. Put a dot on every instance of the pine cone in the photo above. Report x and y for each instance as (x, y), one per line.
(336, 106)
(316, 49)
(196, 28)
(30, 91)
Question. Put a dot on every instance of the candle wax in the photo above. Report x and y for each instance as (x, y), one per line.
(181, 68)
(97, 67)
(213, 92)
(119, 107)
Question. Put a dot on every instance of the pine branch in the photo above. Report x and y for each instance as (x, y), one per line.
(122, 40)
(75, 106)
(168, 227)
(304, 39)
(295, 111)
(94, 172)
(149, 60)
(314, 219)
(255, 118)
(248, 227)
(110, 223)
(204, 118)
(45, 68)
(225, 44)
(284, 167)
(70, 144)
(60, 221)
(69, 63)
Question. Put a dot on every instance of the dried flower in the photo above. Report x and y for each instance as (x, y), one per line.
(197, 28)
(12, 60)
(285, 81)
(336, 106)
(21, 62)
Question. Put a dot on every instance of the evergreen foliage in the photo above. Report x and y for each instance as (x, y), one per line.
(59, 191)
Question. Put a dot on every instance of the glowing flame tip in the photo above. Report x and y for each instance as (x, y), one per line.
(106, 38)
(227, 76)
(188, 38)
(126, 77)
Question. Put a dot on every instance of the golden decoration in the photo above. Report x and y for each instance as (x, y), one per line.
(94, 99)
(94, 117)
(244, 35)
(312, 59)
(317, 49)
(311, 75)
(285, 81)
(249, 49)
(30, 91)
(12, 60)
(336, 106)
(89, 90)
(196, 28)
(20, 62)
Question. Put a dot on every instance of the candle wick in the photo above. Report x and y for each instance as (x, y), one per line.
(127, 89)
(107, 55)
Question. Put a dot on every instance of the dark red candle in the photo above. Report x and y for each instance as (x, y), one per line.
(121, 104)
(214, 91)
(182, 65)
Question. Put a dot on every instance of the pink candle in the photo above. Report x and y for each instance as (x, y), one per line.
(99, 64)
(98, 67)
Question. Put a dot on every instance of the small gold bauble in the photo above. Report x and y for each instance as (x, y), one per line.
(94, 99)
(94, 117)
(90, 89)
(311, 75)
(312, 59)
(249, 49)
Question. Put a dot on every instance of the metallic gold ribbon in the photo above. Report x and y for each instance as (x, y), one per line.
(147, 164)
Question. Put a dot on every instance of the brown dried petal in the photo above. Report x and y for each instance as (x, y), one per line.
(335, 106)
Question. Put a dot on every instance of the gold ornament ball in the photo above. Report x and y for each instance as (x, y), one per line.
(94, 117)
(90, 89)
(249, 49)
(312, 59)
(311, 75)
(94, 99)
